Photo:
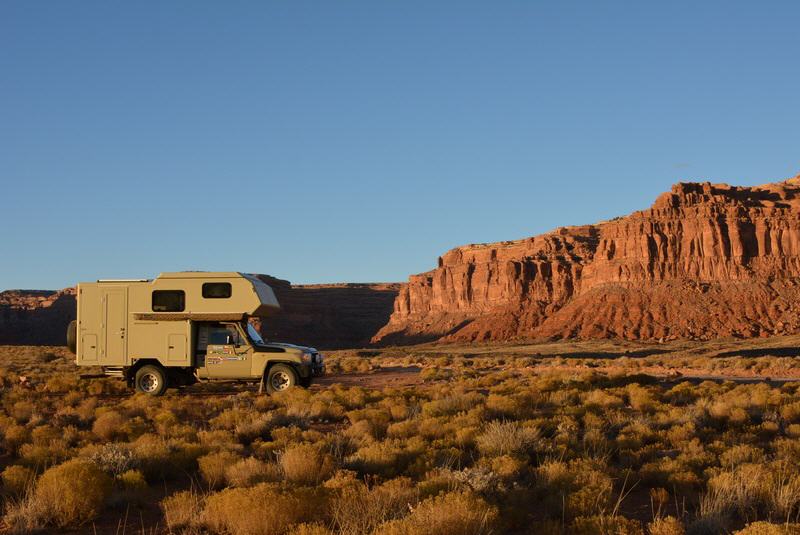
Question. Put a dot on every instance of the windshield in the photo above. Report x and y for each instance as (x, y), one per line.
(254, 336)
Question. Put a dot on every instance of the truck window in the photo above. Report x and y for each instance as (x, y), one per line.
(216, 290)
(222, 335)
(169, 300)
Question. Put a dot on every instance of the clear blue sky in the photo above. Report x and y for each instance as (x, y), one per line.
(357, 141)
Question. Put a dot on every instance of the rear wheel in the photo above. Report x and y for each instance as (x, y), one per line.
(281, 378)
(151, 380)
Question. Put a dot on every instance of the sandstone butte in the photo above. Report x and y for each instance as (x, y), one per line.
(705, 261)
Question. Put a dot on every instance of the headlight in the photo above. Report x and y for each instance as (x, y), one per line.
(306, 357)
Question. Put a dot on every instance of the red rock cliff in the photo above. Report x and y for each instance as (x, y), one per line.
(704, 261)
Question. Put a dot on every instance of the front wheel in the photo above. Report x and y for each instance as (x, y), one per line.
(281, 378)
(151, 380)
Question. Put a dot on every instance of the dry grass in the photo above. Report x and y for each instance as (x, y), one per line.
(182, 510)
(65, 495)
(265, 509)
(305, 464)
(449, 514)
(513, 439)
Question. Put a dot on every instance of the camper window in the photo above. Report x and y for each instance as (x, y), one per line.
(169, 300)
(216, 290)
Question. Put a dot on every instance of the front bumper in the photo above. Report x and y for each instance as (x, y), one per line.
(317, 364)
(315, 368)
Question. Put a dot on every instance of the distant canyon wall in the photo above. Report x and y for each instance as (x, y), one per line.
(328, 316)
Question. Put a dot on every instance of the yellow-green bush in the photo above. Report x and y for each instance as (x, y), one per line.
(448, 514)
(266, 509)
(65, 495)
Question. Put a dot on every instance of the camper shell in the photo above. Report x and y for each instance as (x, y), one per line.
(187, 326)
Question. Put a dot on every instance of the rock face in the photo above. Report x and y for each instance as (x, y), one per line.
(36, 316)
(327, 316)
(706, 260)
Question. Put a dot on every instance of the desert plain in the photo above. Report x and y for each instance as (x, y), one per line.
(586, 437)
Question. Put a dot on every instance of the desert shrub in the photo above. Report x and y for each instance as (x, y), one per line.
(265, 509)
(766, 528)
(668, 525)
(403, 429)
(640, 398)
(257, 426)
(370, 421)
(17, 479)
(114, 458)
(481, 479)
(219, 439)
(359, 510)
(214, 465)
(15, 436)
(131, 487)
(606, 525)
(309, 529)
(507, 467)
(451, 404)
(132, 480)
(752, 491)
(306, 464)
(354, 364)
(250, 471)
(506, 438)
(448, 514)
(37, 455)
(602, 400)
(63, 384)
(182, 509)
(109, 425)
(387, 458)
(65, 495)
(741, 454)
(44, 435)
(576, 488)
(153, 455)
(22, 411)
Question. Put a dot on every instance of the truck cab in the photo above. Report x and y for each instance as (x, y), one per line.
(185, 327)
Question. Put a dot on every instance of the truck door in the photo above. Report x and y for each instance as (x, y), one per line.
(114, 303)
(227, 353)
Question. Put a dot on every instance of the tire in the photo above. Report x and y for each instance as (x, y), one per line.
(305, 382)
(280, 378)
(72, 336)
(151, 380)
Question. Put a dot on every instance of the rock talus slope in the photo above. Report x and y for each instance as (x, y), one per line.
(706, 260)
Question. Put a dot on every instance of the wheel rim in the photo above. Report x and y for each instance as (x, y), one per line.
(280, 380)
(149, 382)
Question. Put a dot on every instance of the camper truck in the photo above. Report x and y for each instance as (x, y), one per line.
(185, 327)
